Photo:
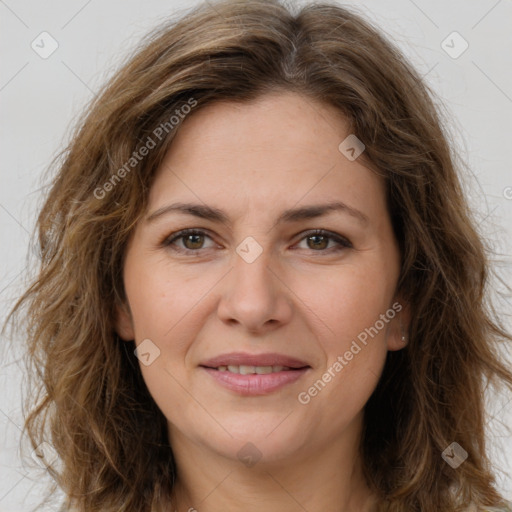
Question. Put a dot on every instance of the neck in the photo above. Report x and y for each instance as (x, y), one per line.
(327, 476)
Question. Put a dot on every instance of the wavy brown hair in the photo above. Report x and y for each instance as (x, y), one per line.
(89, 399)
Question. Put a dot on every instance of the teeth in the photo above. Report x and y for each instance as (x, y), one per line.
(245, 370)
(261, 370)
(248, 370)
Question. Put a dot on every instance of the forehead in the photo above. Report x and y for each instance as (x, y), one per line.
(281, 121)
(269, 152)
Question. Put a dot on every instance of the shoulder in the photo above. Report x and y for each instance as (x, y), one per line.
(507, 507)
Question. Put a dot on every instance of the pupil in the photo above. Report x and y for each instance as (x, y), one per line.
(189, 237)
(318, 236)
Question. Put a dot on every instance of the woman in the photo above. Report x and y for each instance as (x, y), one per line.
(261, 286)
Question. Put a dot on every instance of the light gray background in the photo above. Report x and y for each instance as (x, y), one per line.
(40, 99)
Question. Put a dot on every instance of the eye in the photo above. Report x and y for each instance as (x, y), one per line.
(193, 240)
(320, 240)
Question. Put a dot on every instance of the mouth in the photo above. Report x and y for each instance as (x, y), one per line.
(250, 375)
(254, 370)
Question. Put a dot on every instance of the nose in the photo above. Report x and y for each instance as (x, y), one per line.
(254, 295)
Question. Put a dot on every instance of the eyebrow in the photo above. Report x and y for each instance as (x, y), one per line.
(292, 215)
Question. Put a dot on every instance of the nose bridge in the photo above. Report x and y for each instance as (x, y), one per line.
(254, 295)
(251, 268)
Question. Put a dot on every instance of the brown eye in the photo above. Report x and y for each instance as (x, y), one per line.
(195, 241)
(191, 240)
(318, 240)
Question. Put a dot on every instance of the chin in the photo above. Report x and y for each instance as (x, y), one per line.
(260, 440)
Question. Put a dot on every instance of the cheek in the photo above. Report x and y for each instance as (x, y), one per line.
(161, 299)
(345, 302)
(352, 336)
(345, 316)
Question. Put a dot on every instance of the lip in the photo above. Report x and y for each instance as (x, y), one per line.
(255, 384)
(242, 358)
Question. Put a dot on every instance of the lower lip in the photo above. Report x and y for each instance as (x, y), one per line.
(255, 384)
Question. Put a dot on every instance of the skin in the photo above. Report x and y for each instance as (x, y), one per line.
(301, 297)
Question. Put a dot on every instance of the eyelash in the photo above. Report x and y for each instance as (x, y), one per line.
(343, 242)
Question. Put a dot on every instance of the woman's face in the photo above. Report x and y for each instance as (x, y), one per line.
(253, 289)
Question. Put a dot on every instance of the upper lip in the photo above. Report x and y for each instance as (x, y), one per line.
(241, 358)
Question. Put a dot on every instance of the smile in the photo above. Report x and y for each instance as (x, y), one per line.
(254, 374)
(254, 380)
(248, 370)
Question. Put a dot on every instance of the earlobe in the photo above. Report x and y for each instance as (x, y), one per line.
(123, 323)
(398, 336)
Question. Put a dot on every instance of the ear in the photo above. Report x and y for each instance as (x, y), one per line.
(124, 323)
(398, 333)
